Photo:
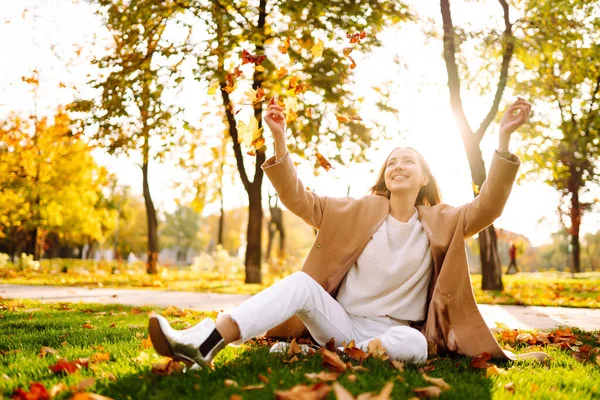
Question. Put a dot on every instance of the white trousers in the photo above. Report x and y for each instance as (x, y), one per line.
(299, 294)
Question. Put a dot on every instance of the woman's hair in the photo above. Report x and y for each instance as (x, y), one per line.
(429, 195)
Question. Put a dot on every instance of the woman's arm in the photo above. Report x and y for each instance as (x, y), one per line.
(489, 204)
(283, 175)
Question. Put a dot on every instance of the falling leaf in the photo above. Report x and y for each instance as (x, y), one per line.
(47, 350)
(356, 37)
(290, 104)
(249, 58)
(303, 392)
(322, 376)
(353, 64)
(291, 117)
(428, 391)
(249, 134)
(493, 370)
(212, 88)
(317, 49)
(309, 112)
(332, 361)
(167, 368)
(284, 46)
(376, 349)
(347, 51)
(37, 391)
(481, 361)
(439, 382)
(281, 72)
(322, 161)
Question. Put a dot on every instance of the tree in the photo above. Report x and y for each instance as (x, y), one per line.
(298, 44)
(181, 230)
(50, 184)
(490, 260)
(562, 75)
(131, 113)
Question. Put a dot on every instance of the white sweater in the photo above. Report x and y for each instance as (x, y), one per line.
(392, 274)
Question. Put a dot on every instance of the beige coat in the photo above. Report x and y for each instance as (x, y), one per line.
(345, 226)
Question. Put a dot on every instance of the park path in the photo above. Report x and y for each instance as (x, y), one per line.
(519, 317)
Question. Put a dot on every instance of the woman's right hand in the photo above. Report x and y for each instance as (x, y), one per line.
(275, 119)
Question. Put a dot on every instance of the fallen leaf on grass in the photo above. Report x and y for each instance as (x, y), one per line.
(37, 391)
(303, 392)
(439, 382)
(56, 389)
(322, 376)
(510, 387)
(493, 370)
(263, 378)
(341, 393)
(85, 384)
(332, 361)
(399, 365)
(428, 391)
(89, 396)
(100, 357)
(68, 367)
(167, 368)
(253, 387)
(47, 350)
(294, 348)
(524, 337)
(376, 349)
(146, 343)
(87, 325)
(481, 361)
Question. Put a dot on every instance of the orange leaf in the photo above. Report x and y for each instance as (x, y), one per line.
(168, 368)
(332, 361)
(281, 72)
(323, 162)
(481, 361)
(249, 58)
(347, 51)
(284, 46)
(356, 353)
(353, 65)
(439, 382)
(323, 376)
(87, 325)
(376, 349)
(103, 357)
(37, 391)
(89, 396)
(68, 367)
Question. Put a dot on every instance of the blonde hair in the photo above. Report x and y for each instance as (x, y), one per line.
(429, 195)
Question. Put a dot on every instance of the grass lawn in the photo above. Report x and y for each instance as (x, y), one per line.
(115, 360)
(532, 289)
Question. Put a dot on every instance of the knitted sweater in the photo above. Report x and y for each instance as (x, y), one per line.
(391, 276)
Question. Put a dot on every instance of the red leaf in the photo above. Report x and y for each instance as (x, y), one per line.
(481, 361)
(37, 391)
(249, 58)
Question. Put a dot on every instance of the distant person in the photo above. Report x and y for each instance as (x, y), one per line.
(512, 251)
(388, 269)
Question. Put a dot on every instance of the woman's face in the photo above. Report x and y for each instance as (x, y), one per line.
(403, 172)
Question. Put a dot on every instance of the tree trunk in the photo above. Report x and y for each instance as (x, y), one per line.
(276, 225)
(491, 268)
(221, 217)
(490, 260)
(575, 216)
(152, 224)
(254, 237)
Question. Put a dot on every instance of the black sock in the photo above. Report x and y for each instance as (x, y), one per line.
(211, 341)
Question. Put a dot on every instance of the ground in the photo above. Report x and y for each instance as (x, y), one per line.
(111, 343)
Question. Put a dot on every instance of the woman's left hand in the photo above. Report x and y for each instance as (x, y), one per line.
(510, 121)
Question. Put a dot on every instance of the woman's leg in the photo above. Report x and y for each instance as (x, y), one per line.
(297, 294)
(402, 343)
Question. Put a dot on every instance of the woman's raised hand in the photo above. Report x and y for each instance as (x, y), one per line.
(275, 119)
(510, 121)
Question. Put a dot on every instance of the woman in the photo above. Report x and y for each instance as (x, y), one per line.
(389, 266)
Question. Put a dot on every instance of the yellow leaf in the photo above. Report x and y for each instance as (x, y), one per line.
(317, 49)
(475, 188)
(259, 68)
(493, 370)
(248, 133)
(214, 85)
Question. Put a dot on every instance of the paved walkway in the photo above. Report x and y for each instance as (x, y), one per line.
(513, 316)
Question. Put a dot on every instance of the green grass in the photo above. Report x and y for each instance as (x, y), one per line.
(27, 326)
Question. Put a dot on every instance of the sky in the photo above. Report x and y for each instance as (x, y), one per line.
(46, 36)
